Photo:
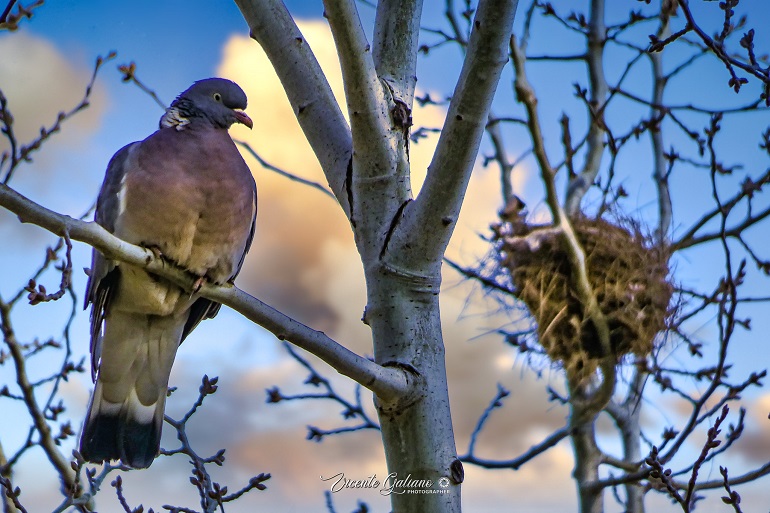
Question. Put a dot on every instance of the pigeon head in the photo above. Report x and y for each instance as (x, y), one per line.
(214, 101)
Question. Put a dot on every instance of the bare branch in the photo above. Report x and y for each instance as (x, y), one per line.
(47, 440)
(581, 285)
(660, 106)
(732, 497)
(388, 383)
(350, 411)
(437, 206)
(748, 189)
(525, 94)
(366, 97)
(7, 11)
(129, 75)
(496, 402)
(11, 495)
(39, 294)
(307, 89)
(212, 495)
(396, 31)
(716, 46)
(537, 449)
(20, 154)
(501, 157)
(10, 21)
(473, 274)
(597, 37)
(315, 185)
(747, 477)
(660, 171)
(711, 443)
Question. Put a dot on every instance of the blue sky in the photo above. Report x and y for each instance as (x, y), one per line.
(307, 264)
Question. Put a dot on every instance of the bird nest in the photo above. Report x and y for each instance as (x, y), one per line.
(629, 277)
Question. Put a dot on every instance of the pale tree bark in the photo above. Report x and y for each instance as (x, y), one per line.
(389, 383)
(586, 473)
(626, 413)
(401, 238)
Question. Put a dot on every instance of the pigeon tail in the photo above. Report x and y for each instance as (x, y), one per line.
(129, 432)
(125, 415)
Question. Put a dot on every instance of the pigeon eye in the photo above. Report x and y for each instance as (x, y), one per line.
(217, 97)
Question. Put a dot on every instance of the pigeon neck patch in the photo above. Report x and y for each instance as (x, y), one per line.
(173, 118)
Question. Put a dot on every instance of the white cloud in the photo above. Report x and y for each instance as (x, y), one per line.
(39, 82)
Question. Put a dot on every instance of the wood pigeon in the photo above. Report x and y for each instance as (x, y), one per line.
(186, 193)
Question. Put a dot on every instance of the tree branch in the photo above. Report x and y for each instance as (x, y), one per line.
(717, 47)
(525, 94)
(47, 441)
(437, 206)
(501, 157)
(515, 463)
(295, 178)
(496, 402)
(387, 382)
(315, 379)
(366, 98)
(19, 154)
(660, 171)
(7, 11)
(10, 21)
(575, 253)
(212, 495)
(306, 87)
(396, 32)
(590, 404)
(597, 37)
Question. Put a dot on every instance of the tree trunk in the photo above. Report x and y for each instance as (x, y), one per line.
(586, 473)
(403, 313)
(401, 239)
(626, 416)
(632, 451)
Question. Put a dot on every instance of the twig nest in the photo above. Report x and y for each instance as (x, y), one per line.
(629, 277)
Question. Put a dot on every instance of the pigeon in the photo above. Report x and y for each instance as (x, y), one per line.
(186, 194)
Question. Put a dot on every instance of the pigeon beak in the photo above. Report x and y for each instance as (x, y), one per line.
(243, 118)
